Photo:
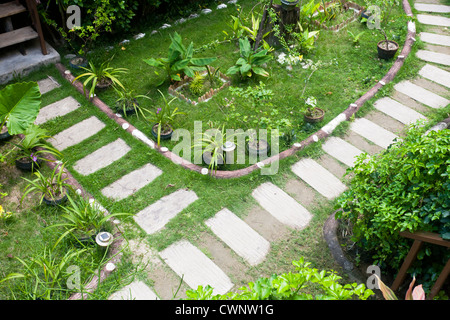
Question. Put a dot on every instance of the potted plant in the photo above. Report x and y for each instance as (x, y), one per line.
(101, 76)
(212, 144)
(386, 48)
(258, 97)
(83, 220)
(30, 151)
(4, 133)
(289, 5)
(53, 188)
(311, 112)
(127, 102)
(162, 119)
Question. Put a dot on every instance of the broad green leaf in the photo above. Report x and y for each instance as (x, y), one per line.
(19, 106)
(202, 61)
(153, 62)
(260, 71)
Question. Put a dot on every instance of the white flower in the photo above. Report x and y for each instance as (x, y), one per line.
(311, 101)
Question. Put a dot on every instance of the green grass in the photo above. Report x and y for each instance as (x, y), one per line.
(354, 69)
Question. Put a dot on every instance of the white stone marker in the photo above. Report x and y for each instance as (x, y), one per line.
(132, 182)
(433, 20)
(436, 74)
(435, 57)
(435, 38)
(77, 133)
(341, 150)
(102, 157)
(136, 290)
(428, 7)
(157, 215)
(239, 236)
(282, 206)
(195, 267)
(57, 109)
(372, 132)
(422, 95)
(398, 111)
(319, 178)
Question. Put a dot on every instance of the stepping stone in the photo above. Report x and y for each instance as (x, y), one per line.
(102, 157)
(132, 182)
(433, 20)
(427, 7)
(436, 74)
(195, 267)
(422, 95)
(57, 109)
(373, 132)
(47, 84)
(319, 178)
(435, 38)
(136, 290)
(282, 206)
(341, 150)
(398, 111)
(77, 133)
(157, 215)
(239, 236)
(435, 57)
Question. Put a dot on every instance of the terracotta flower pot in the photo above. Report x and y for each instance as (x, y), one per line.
(317, 116)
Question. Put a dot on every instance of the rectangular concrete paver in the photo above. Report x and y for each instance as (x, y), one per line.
(319, 178)
(341, 150)
(429, 7)
(398, 111)
(195, 267)
(157, 215)
(422, 95)
(132, 182)
(433, 20)
(57, 109)
(282, 206)
(372, 132)
(435, 38)
(47, 85)
(102, 157)
(239, 236)
(77, 133)
(435, 57)
(436, 74)
(136, 290)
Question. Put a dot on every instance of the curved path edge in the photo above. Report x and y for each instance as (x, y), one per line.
(320, 134)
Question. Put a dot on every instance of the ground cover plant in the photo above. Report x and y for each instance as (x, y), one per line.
(332, 69)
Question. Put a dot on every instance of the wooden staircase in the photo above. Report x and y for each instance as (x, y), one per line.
(19, 36)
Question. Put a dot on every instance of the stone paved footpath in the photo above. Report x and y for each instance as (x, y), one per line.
(248, 240)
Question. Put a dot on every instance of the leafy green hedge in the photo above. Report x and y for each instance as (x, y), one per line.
(407, 187)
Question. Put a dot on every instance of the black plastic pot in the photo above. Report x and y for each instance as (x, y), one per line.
(315, 119)
(166, 136)
(78, 62)
(262, 149)
(389, 53)
(28, 164)
(5, 136)
(56, 201)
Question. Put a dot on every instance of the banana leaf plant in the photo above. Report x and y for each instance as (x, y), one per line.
(19, 106)
(249, 62)
(180, 60)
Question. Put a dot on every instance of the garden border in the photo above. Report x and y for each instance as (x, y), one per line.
(324, 132)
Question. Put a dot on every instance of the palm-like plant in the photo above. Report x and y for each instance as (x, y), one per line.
(101, 76)
(51, 187)
(83, 218)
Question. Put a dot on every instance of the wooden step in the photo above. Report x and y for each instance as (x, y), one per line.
(10, 8)
(17, 36)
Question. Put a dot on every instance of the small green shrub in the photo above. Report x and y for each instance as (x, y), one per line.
(291, 286)
(405, 188)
